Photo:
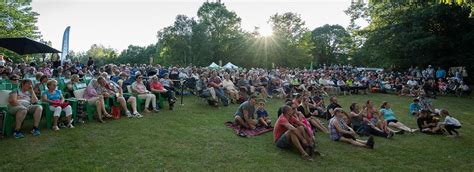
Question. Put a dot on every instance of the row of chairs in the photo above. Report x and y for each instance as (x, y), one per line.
(79, 90)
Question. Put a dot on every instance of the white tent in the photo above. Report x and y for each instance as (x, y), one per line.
(230, 66)
(214, 66)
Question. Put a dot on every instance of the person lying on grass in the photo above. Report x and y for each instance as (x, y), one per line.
(450, 124)
(244, 116)
(389, 117)
(340, 131)
(262, 115)
(286, 136)
(310, 115)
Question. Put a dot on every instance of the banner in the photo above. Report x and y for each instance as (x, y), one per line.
(65, 49)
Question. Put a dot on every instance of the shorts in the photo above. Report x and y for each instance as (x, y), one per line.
(283, 142)
(392, 120)
(15, 109)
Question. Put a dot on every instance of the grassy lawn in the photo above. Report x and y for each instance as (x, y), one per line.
(193, 137)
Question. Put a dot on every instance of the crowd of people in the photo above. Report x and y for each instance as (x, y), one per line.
(300, 117)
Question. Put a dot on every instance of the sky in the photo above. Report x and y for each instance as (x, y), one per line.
(120, 23)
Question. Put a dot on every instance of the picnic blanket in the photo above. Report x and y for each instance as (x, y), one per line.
(250, 133)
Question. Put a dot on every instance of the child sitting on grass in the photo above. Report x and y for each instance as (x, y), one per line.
(262, 115)
(427, 123)
(450, 124)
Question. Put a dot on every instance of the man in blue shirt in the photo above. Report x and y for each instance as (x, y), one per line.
(440, 73)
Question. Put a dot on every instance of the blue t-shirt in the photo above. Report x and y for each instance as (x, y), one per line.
(261, 113)
(387, 114)
(440, 73)
(53, 96)
(415, 107)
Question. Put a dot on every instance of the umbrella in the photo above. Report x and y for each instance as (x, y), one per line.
(25, 45)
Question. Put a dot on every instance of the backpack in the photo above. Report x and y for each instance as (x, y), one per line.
(81, 114)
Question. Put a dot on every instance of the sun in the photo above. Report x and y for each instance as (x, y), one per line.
(265, 31)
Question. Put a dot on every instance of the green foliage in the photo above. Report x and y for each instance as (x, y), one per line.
(17, 19)
(332, 44)
(401, 35)
(139, 55)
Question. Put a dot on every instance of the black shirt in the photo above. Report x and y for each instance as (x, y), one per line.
(332, 106)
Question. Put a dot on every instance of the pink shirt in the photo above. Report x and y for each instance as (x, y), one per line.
(140, 87)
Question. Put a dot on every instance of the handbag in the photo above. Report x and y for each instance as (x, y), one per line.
(116, 112)
(57, 103)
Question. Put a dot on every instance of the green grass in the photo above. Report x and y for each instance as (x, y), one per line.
(193, 138)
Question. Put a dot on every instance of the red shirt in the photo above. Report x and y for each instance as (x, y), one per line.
(280, 128)
(157, 86)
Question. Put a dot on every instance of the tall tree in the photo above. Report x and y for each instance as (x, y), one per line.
(332, 44)
(291, 39)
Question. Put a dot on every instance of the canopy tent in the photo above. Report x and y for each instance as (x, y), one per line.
(230, 66)
(214, 66)
(24, 45)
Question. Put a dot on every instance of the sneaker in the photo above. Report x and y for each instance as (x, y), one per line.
(156, 110)
(70, 125)
(55, 128)
(129, 115)
(137, 115)
(35, 132)
(18, 135)
(61, 125)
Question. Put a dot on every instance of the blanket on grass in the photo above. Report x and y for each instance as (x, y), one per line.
(248, 132)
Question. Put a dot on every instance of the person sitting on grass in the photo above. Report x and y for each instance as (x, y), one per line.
(355, 119)
(450, 123)
(140, 88)
(299, 121)
(93, 96)
(415, 108)
(262, 115)
(330, 109)
(22, 101)
(244, 116)
(310, 115)
(340, 131)
(157, 87)
(428, 124)
(286, 136)
(389, 117)
(56, 104)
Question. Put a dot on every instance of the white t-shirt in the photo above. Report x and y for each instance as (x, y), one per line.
(451, 121)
